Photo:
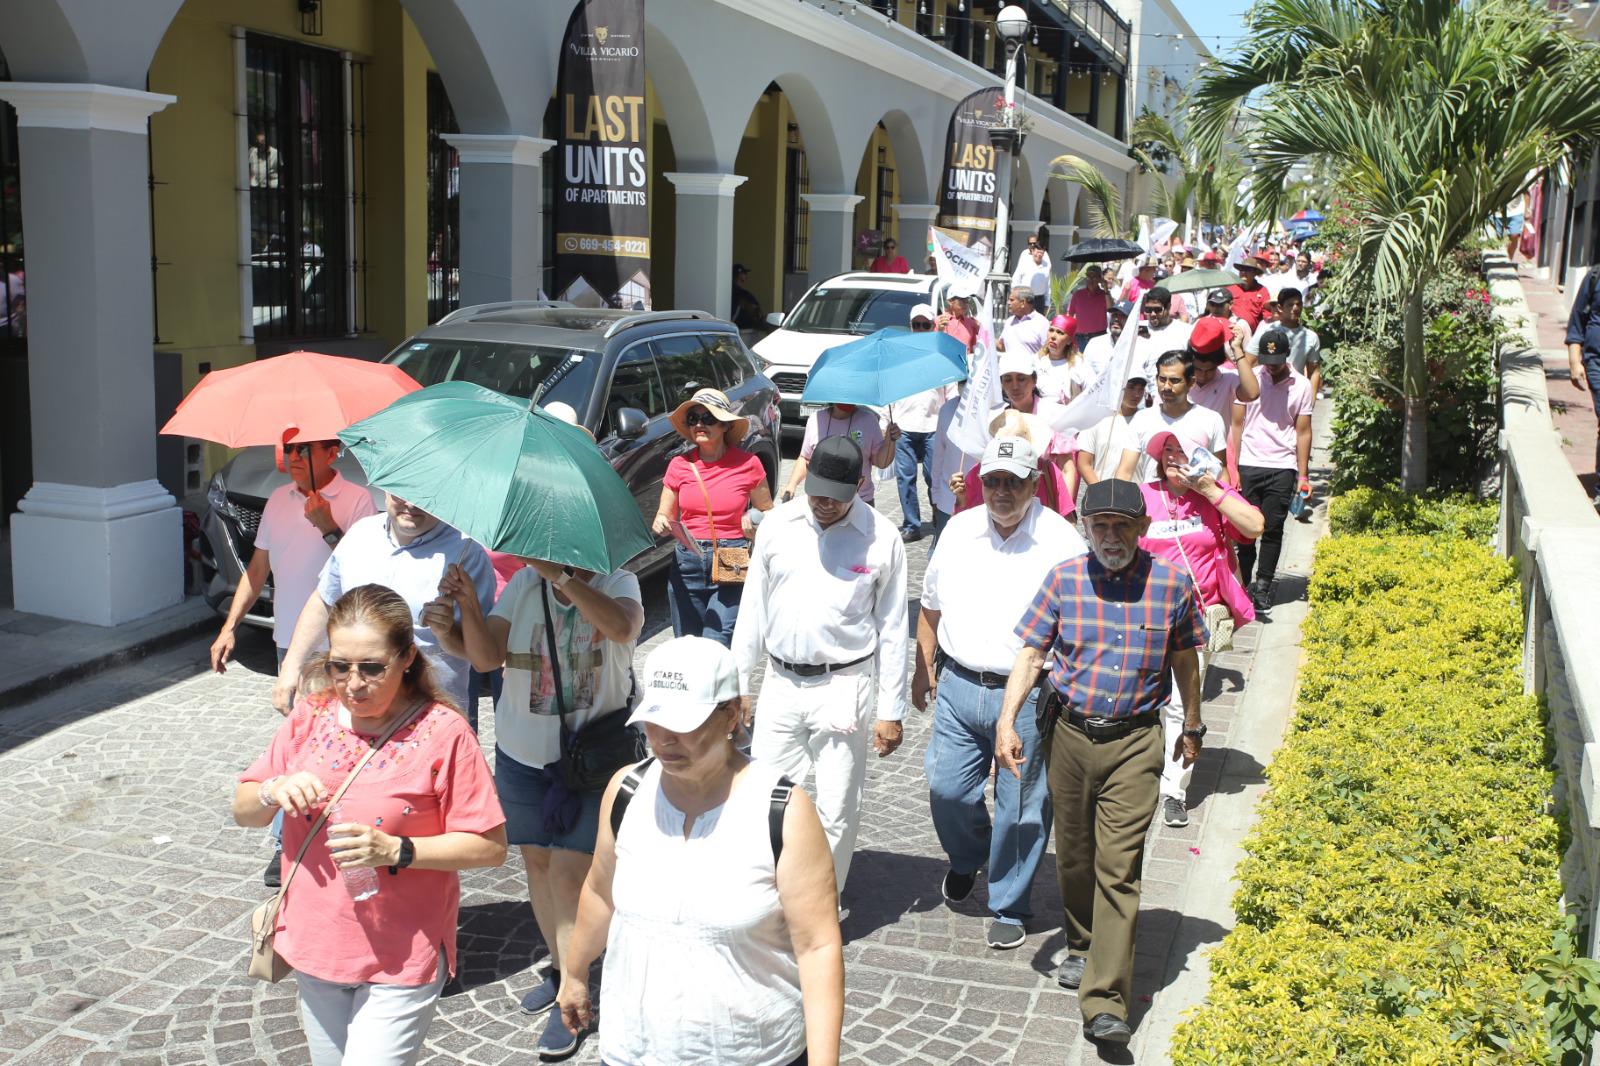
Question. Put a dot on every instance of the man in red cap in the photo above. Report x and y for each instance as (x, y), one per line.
(1250, 296)
(1216, 386)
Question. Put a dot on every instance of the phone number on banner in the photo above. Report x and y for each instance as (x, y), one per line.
(602, 244)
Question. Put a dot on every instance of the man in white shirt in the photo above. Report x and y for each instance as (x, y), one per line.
(1160, 332)
(1033, 273)
(1026, 329)
(1100, 447)
(948, 461)
(979, 583)
(405, 549)
(1305, 347)
(825, 600)
(917, 416)
(1194, 425)
(1097, 353)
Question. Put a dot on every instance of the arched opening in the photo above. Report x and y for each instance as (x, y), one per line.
(771, 220)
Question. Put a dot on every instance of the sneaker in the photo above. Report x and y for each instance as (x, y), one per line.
(541, 996)
(1005, 935)
(1261, 595)
(958, 887)
(557, 1042)
(1070, 973)
(1173, 812)
(272, 876)
(911, 534)
(1107, 1028)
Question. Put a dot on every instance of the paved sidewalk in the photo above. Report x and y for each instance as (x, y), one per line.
(127, 890)
(1571, 409)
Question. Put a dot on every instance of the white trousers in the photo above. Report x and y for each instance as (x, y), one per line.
(1174, 775)
(822, 725)
(367, 1024)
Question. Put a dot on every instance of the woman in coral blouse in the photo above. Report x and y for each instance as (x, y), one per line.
(370, 969)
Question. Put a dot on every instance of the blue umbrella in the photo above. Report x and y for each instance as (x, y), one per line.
(886, 366)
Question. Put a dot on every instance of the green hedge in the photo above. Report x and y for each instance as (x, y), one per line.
(1403, 878)
(1388, 510)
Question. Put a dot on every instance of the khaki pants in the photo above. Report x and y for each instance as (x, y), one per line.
(1104, 796)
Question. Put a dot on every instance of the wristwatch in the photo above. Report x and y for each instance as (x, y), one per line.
(333, 538)
(1198, 732)
(408, 855)
(566, 575)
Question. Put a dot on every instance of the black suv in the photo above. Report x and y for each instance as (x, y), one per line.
(622, 372)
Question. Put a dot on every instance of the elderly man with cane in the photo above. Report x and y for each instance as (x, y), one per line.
(1112, 628)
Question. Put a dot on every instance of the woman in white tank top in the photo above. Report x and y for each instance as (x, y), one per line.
(714, 899)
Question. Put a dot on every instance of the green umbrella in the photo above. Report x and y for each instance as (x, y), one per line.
(514, 479)
(1195, 280)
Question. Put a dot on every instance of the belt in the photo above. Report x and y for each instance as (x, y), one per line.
(1097, 728)
(978, 677)
(818, 669)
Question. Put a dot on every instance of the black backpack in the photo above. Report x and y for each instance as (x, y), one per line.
(635, 778)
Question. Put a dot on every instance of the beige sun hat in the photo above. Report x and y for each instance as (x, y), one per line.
(1014, 423)
(716, 401)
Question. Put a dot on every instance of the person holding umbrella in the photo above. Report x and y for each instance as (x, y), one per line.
(725, 484)
(1089, 306)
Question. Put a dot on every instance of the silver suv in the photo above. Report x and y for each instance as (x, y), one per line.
(623, 372)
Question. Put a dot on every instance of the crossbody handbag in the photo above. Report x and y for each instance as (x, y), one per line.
(592, 753)
(1219, 619)
(729, 566)
(265, 962)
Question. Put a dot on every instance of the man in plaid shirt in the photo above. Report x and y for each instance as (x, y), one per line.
(1114, 627)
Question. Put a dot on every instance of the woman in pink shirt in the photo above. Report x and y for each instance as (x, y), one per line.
(891, 261)
(1194, 523)
(711, 489)
(370, 970)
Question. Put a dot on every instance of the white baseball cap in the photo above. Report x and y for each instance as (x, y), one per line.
(684, 680)
(1020, 361)
(922, 311)
(1014, 455)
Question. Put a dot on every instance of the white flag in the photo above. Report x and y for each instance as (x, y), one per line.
(969, 429)
(1241, 246)
(1104, 397)
(956, 262)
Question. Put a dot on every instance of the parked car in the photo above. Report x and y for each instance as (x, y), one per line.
(623, 372)
(831, 313)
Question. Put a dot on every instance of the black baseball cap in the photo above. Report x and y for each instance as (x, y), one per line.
(1273, 349)
(1219, 297)
(1113, 496)
(835, 469)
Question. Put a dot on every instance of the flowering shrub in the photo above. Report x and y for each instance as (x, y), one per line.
(1404, 875)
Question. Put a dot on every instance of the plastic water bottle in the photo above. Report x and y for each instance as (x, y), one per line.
(1202, 462)
(360, 881)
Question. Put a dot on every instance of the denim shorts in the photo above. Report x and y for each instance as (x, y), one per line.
(523, 790)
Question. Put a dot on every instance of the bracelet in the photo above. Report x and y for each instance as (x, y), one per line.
(265, 791)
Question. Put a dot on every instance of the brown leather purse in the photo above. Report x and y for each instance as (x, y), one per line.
(729, 566)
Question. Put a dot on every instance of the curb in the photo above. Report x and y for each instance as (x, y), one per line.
(13, 698)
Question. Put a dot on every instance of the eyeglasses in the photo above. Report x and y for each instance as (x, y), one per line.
(890, 246)
(700, 418)
(302, 449)
(921, 325)
(339, 669)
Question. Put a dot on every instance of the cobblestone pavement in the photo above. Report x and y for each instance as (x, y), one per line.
(127, 889)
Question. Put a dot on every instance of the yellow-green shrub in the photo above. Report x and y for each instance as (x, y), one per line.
(1404, 875)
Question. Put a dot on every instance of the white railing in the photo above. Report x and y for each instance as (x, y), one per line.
(1550, 529)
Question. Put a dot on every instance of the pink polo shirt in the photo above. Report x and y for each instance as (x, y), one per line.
(1269, 436)
(430, 778)
(1207, 541)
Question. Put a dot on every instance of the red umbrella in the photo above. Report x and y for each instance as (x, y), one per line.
(301, 396)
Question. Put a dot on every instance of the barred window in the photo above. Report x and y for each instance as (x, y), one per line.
(444, 204)
(796, 215)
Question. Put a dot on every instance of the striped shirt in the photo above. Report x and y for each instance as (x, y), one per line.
(1110, 636)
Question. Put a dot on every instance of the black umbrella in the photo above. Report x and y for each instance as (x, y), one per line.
(1101, 249)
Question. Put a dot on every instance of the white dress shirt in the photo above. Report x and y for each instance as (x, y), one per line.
(1035, 276)
(818, 596)
(982, 585)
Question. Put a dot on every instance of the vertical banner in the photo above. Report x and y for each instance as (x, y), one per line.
(602, 210)
(967, 196)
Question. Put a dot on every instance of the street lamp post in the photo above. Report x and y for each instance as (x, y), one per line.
(1012, 23)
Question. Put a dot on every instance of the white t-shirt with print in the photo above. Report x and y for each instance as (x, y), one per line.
(595, 671)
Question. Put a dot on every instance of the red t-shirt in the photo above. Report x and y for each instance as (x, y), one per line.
(885, 265)
(1250, 304)
(430, 778)
(729, 481)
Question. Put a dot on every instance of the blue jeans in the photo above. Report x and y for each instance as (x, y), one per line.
(699, 607)
(960, 750)
(1591, 370)
(909, 450)
(475, 686)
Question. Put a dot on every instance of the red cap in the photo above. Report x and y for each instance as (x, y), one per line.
(1211, 257)
(1209, 335)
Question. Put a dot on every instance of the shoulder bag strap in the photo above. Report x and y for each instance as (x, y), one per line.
(338, 794)
(711, 518)
(550, 642)
(775, 811)
(625, 791)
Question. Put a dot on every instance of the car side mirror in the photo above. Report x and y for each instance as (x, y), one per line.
(631, 423)
(775, 319)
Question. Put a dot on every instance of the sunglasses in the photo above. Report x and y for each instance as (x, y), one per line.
(921, 325)
(996, 482)
(700, 418)
(890, 246)
(339, 669)
(302, 449)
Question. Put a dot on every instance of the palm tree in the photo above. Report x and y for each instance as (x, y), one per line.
(1103, 200)
(1431, 113)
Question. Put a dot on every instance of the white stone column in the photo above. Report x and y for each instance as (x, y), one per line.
(1061, 238)
(832, 241)
(912, 231)
(97, 538)
(502, 226)
(703, 264)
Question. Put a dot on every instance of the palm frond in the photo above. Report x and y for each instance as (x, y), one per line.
(1103, 201)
